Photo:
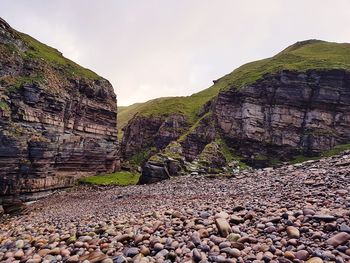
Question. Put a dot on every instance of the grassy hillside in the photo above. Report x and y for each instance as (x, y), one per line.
(302, 56)
(38, 50)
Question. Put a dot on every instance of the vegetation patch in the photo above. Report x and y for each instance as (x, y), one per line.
(193, 127)
(302, 56)
(39, 51)
(119, 178)
(4, 106)
(334, 151)
(142, 155)
(230, 154)
(15, 83)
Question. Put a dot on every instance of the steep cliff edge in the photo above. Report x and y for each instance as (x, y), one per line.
(286, 114)
(57, 119)
(292, 105)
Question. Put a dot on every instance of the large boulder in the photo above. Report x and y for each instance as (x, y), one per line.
(153, 172)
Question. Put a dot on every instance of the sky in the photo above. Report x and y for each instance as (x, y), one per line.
(159, 48)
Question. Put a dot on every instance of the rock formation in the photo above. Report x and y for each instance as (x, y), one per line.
(295, 104)
(57, 119)
(287, 112)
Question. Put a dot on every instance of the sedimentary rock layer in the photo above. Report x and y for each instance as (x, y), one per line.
(57, 119)
(304, 111)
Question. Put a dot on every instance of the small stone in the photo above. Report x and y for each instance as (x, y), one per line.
(131, 252)
(95, 256)
(326, 218)
(162, 253)
(19, 244)
(308, 212)
(65, 253)
(85, 238)
(224, 244)
(78, 244)
(19, 254)
(234, 252)
(204, 214)
(158, 246)
(123, 238)
(144, 250)
(236, 220)
(196, 255)
(73, 259)
(176, 214)
(293, 232)
(302, 255)
(344, 228)
(55, 251)
(44, 252)
(233, 237)
(290, 255)
(223, 226)
(120, 259)
(138, 238)
(315, 260)
(338, 239)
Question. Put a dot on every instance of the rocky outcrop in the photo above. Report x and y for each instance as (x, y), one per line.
(57, 120)
(153, 172)
(153, 131)
(286, 113)
(201, 134)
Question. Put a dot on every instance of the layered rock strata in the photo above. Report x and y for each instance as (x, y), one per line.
(57, 120)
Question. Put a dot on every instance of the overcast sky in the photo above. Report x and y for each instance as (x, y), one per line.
(157, 48)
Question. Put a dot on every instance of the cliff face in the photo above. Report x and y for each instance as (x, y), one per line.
(57, 119)
(287, 112)
(290, 107)
(146, 132)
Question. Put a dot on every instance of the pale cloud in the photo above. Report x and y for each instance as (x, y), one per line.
(153, 48)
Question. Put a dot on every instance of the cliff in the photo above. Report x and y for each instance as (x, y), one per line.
(286, 108)
(57, 119)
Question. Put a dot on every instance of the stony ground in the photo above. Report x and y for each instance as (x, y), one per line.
(295, 213)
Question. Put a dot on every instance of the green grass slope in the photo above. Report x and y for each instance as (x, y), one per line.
(40, 51)
(302, 56)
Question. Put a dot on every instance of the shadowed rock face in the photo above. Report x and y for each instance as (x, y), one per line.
(158, 131)
(54, 128)
(288, 111)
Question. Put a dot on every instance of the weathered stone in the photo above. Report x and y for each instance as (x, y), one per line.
(326, 218)
(293, 232)
(236, 219)
(315, 260)
(338, 239)
(152, 173)
(94, 257)
(223, 226)
(302, 255)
